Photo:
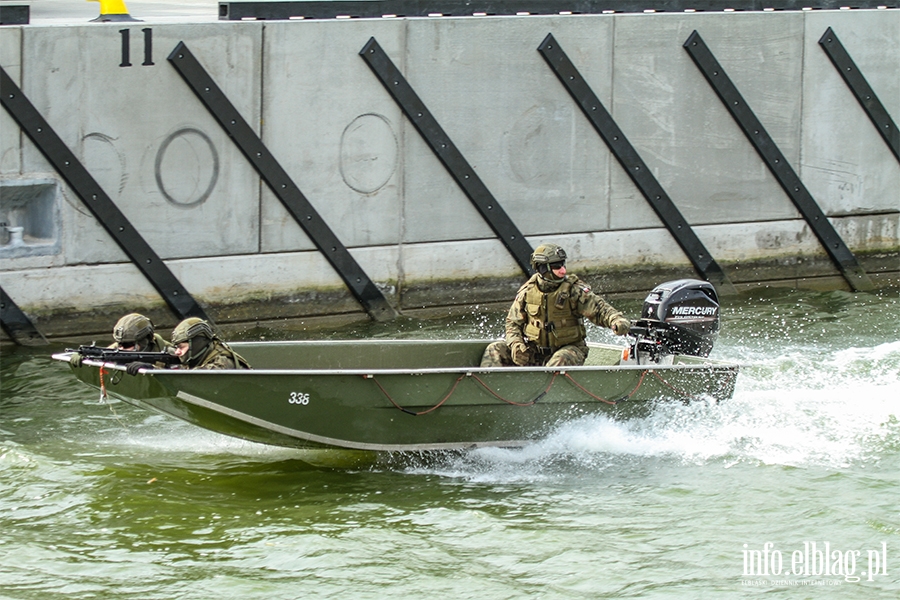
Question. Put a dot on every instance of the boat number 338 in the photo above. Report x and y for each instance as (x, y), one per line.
(298, 398)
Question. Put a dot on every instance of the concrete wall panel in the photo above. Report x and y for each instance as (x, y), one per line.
(146, 139)
(847, 166)
(334, 129)
(681, 129)
(517, 126)
(11, 61)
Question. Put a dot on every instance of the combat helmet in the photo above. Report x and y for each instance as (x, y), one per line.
(197, 333)
(133, 329)
(546, 255)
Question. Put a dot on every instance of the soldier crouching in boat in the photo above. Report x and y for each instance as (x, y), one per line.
(199, 348)
(545, 324)
(133, 332)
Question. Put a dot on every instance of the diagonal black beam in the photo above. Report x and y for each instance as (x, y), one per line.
(861, 89)
(284, 188)
(98, 202)
(840, 254)
(316, 9)
(631, 161)
(447, 152)
(17, 325)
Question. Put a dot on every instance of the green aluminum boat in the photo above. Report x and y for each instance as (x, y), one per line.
(402, 394)
(413, 395)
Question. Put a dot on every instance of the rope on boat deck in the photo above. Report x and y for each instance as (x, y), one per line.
(673, 388)
(498, 396)
(611, 402)
(640, 382)
(406, 410)
(532, 403)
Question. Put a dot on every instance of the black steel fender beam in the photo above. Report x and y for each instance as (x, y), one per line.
(98, 202)
(861, 90)
(284, 188)
(631, 161)
(765, 146)
(447, 152)
(16, 323)
(316, 9)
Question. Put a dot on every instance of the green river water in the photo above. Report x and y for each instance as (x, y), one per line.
(789, 490)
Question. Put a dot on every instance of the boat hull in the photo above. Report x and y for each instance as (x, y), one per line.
(387, 408)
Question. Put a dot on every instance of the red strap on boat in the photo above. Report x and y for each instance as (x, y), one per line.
(103, 395)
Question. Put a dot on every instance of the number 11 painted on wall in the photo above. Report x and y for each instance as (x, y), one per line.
(126, 47)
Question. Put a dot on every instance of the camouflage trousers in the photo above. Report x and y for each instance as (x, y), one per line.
(498, 354)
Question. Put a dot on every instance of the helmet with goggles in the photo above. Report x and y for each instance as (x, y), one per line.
(547, 258)
(191, 328)
(195, 332)
(133, 330)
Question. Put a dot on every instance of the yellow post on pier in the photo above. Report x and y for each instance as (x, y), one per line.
(112, 10)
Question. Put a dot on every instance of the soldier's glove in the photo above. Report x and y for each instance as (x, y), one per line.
(75, 359)
(621, 325)
(132, 368)
(521, 354)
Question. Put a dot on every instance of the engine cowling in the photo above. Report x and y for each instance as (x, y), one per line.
(678, 317)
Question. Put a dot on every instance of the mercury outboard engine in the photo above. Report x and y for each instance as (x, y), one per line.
(678, 317)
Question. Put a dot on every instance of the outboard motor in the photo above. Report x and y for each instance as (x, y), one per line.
(678, 317)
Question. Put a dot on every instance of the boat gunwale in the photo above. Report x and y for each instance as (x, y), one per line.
(703, 362)
(710, 364)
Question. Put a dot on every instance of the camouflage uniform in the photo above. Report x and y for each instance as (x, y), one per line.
(545, 324)
(220, 356)
(205, 349)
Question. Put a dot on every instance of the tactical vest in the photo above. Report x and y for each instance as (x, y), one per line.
(218, 349)
(551, 321)
(158, 344)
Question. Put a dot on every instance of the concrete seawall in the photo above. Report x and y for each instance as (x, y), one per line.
(110, 94)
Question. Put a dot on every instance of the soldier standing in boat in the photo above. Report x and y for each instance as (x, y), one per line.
(545, 324)
(199, 348)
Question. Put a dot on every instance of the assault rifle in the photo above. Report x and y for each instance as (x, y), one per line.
(123, 357)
